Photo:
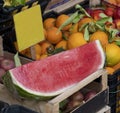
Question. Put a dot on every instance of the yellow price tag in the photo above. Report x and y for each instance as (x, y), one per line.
(28, 27)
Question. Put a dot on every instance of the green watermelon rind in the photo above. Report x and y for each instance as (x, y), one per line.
(19, 92)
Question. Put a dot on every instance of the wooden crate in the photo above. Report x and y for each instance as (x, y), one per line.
(52, 106)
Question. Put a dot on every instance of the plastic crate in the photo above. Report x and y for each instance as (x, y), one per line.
(6, 13)
(30, 3)
(114, 91)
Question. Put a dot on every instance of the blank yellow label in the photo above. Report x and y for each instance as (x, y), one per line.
(28, 27)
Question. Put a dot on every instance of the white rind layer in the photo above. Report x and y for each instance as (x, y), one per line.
(102, 54)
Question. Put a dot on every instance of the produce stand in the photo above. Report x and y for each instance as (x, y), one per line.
(107, 99)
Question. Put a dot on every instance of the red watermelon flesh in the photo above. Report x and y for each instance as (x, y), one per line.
(53, 75)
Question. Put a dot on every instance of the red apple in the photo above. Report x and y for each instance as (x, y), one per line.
(109, 11)
(89, 11)
(7, 64)
(2, 72)
(117, 13)
(90, 95)
(78, 96)
(96, 13)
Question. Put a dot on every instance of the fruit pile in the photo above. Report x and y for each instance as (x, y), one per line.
(83, 26)
(110, 9)
(68, 32)
(5, 65)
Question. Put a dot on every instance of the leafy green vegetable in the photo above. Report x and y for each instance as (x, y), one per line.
(83, 26)
(100, 27)
(118, 42)
(104, 20)
(82, 10)
(86, 34)
(75, 17)
(69, 21)
(78, 17)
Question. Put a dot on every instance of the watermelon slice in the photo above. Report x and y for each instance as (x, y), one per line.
(49, 77)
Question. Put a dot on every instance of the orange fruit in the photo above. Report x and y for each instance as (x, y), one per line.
(43, 56)
(74, 28)
(62, 44)
(37, 57)
(76, 40)
(49, 22)
(38, 49)
(112, 2)
(101, 36)
(44, 45)
(84, 21)
(117, 66)
(53, 35)
(60, 20)
(118, 1)
(110, 70)
(112, 54)
(26, 52)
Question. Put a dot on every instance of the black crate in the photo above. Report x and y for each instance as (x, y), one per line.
(30, 3)
(114, 93)
(6, 13)
(95, 104)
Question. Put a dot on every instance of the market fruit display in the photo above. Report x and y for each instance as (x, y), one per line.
(36, 79)
(78, 45)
